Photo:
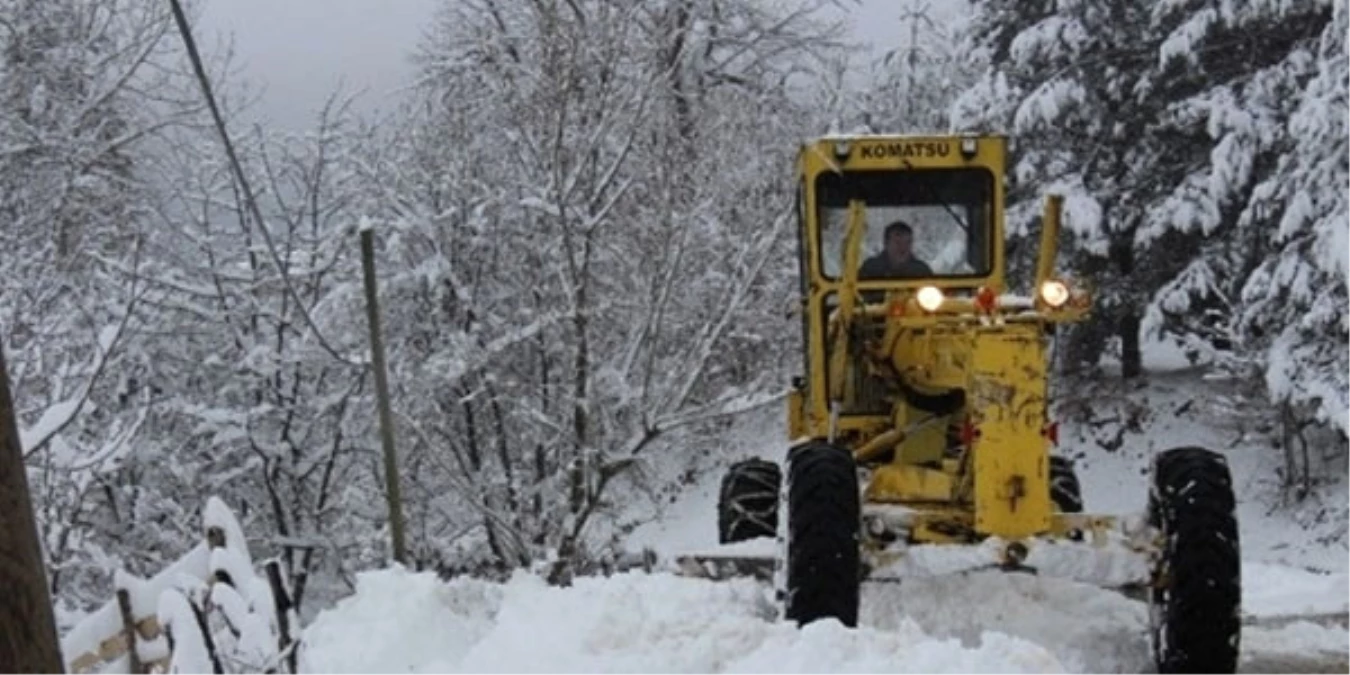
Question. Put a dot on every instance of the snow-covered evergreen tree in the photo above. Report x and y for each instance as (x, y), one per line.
(1060, 78)
(1235, 113)
(1295, 312)
(1156, 134)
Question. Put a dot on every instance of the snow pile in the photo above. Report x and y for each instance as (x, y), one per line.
(399, 621)
(85, 637)
(217, 585)
(1089, 629)
(1281, 591)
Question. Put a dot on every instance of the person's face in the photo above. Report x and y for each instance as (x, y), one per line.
(898, 245)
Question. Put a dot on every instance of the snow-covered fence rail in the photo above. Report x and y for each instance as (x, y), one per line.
(206, 612)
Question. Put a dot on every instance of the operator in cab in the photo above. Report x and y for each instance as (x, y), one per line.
(896, 260)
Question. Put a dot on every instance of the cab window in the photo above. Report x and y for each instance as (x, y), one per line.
(945, 211)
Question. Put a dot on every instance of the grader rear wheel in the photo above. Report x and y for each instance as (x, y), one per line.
(824, 515)
(747, 505)
(1195, 601)
(1065, 491)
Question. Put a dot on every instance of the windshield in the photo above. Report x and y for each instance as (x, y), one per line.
(930, 223)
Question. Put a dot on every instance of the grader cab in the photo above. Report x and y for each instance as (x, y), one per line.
(921, 436)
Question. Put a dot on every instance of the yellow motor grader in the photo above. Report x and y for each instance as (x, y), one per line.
(921, 426)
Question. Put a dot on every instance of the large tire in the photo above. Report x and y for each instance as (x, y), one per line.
(1065, 491)
(824, 515)
(1195, 602)
(747, 505)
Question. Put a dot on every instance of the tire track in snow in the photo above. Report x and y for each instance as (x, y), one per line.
(1090, 629)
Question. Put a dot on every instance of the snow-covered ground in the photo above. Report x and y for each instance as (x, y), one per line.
(635, 622)
(1295, 584)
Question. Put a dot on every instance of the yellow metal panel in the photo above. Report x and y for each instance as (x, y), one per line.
(1007, 401)
(941, 526)
(901, 152)
(925, 444)
(908, 483)
(796, 423)
(1045, 262)
(936, 357)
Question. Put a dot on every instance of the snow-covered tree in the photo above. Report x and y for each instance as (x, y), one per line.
(1153, 130)
(1295, 312)
(1234, 111)
(593, 210)
(923, 68)
(1060, 78)
(84, 95)
(270, 393)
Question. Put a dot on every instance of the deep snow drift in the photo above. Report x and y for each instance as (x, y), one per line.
(404, 622)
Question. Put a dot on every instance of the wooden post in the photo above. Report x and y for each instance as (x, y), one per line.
(27, 626)
(391, 493)
(283, 607)
(129, 631)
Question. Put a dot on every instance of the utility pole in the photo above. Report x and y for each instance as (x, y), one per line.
(27, 627)
(392, 492)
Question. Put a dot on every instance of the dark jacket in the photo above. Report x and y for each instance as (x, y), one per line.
(880, 267)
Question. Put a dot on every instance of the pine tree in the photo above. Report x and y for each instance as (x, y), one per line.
(911, 87)
(1157, 134)
(1230, 77)
(1060, 78)
(1295, 313)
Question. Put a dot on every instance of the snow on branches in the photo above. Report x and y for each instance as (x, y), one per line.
(207, 612)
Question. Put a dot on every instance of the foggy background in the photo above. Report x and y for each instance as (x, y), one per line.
(297, 52)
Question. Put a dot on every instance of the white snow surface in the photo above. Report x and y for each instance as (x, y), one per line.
(399, 621)
(1295, 583)
(85, 636)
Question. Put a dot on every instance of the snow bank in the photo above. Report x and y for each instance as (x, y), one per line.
(1280, 591)
(1089, 629)
(106, 622)
(1299, 640)
(412, 622)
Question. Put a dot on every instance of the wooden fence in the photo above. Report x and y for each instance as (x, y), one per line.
(129, 634)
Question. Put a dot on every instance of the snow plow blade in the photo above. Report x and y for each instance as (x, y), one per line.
(751, 558)
(1115, 566)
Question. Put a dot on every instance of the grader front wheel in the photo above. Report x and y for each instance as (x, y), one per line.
(1195, 601)
(824, 515)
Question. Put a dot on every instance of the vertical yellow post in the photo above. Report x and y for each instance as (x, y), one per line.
(1007, 402)
(1045, 264)
(847, 297)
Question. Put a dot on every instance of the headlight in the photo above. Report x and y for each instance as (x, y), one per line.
(1054, 293)
(969, 146)
(930, 298)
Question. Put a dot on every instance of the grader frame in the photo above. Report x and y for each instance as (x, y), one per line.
(975, 341)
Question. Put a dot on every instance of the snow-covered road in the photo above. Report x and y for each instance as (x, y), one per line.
(635, 622)
(1090, 629)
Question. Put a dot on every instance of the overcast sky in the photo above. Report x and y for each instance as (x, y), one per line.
(299, 51)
